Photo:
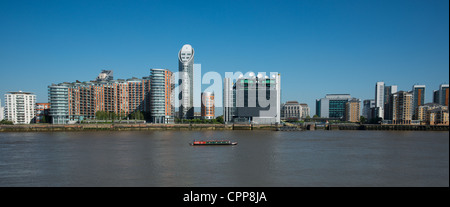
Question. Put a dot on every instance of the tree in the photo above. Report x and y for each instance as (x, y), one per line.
(220, 119)
(100, 115)
(362, 119)
(6, 122)
(292, 119)
(44, 119)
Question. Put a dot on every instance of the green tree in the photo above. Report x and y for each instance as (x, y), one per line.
(362, 119)
(44, 119)
(220, 119)
(6, 122)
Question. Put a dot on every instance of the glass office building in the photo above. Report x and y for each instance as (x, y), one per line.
(162, 96)
(58, 97)
(332, 106)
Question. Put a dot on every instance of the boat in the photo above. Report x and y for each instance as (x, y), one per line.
(212, 142)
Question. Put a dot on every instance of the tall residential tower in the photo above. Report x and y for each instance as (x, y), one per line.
(186, 81)
(161, 96)
(19, 107)
(418, 92)
(379, 99)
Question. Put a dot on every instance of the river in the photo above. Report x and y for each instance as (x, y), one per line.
(261, 158)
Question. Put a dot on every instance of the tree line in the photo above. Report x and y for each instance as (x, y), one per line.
(109, 115)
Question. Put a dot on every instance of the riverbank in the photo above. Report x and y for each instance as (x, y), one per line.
(150, 127)
(130, 127)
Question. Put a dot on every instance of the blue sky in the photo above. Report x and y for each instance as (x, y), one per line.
(318, 46)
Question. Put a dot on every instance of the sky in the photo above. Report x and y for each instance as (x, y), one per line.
(318, 46)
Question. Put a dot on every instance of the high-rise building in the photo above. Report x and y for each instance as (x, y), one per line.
(162, 96)
(257, 99)
(388, 91)
(402, 103)
(418, 92)
(367, 105)
(228, 107)
(186, 82)
(436, 96)
(58, 97)
(332, 106)
(19, 107)
(77, 101)
(207, 110)
(352, 110)
(322, 107)
(379, 98)
(138, 94)
(443, 94)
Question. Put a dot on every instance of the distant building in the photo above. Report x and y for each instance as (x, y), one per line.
(294, 110)
(367, 105)
(256, 99)
(161, 96)
(197, 115)
(305, 111)
(402, 103)
(437, 116)
(42, 112)
(332, 106)
(436, 96)
(388, 91)
(443, 94)
(418, 92)
(19, 107)
(379, 98)
(425, 109)
(352, 110)
(207, 110)
(105, 75)
(2, 111)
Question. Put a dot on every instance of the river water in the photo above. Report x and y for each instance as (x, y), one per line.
(262, 158)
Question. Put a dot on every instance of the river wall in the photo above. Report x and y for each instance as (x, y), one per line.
(193, 127)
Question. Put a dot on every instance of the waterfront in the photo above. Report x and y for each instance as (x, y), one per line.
(262, 158)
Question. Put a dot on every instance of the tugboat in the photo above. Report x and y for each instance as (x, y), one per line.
(212, 142)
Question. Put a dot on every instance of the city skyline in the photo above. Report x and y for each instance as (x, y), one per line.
(321, 47)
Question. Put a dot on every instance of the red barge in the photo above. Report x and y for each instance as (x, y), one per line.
(212, 142)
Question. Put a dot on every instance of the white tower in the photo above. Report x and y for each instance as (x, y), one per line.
(186, 81)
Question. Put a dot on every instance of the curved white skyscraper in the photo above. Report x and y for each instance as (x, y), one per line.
(186, 82)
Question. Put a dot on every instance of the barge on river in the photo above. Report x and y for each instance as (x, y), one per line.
(212, 142)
